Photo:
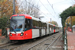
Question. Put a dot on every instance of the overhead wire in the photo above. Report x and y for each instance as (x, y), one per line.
(59, 2)
(53, 9)
(36, 8)
(51, 6)
(45, 7)
(73, 1)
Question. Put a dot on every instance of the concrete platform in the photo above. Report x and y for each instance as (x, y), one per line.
(71, 40)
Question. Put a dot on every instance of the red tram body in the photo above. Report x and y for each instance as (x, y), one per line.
(23, 27)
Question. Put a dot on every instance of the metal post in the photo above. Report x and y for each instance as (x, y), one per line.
(39, 21)
(39, 27)
(71, 22)
(67, 23)
(49, 26)
(65, 40)
(50, 19)
(13, 7)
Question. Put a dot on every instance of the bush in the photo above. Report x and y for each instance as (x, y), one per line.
(3, 24)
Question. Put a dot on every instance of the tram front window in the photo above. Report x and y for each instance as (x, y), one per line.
(17, 23)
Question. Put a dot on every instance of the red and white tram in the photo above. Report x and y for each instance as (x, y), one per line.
(23, 27)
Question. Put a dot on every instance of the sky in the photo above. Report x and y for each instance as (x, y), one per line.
(51, 9)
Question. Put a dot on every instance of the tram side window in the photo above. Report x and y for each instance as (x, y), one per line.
(28, 24)
(54, 27)
(35, 24)
(42, 25)
(45, 25)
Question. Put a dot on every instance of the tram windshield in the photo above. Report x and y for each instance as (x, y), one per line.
(17, 23)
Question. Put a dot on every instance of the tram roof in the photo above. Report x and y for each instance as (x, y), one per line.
(37, 19)
(73, 26)
(31, 17)
(26, 16)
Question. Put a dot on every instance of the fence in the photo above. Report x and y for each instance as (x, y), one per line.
(65, 41)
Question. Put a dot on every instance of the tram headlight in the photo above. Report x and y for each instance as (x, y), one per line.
(22, 34)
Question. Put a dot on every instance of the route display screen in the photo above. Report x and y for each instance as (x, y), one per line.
(18, 17)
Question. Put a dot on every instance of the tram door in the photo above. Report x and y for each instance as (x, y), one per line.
(28, 28)
(28, 24)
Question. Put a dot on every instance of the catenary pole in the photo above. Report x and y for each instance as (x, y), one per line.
(13, 7)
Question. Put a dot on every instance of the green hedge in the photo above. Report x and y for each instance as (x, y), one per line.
(3, 24)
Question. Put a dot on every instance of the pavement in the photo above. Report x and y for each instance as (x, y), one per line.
(71, 40)
(3, 40)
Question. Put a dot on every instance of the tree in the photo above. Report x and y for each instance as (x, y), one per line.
(68, 12)
(68, 21)
(73, 23)
(54, 22)
(65, 14)
(6, 8)
(28, 7)
(3, 24)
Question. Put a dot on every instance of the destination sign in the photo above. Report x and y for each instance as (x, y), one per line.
(18, 17)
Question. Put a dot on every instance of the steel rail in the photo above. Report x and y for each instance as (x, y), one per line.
(40, 42)
(52, 43)
(4, 45)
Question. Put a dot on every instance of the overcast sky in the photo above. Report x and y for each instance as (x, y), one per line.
(53, 8)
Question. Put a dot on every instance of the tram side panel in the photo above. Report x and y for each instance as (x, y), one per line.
(52, 29)
(43, 32)
(35, 33)
(44, 29)
(28, 34)
(35, 29)
(47, 28)
(56, 29)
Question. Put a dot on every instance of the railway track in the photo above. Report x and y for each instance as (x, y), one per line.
(39, 43)
(29, 44)
(4, 45)
(46, 47)
(11, 46)
(52, 42)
